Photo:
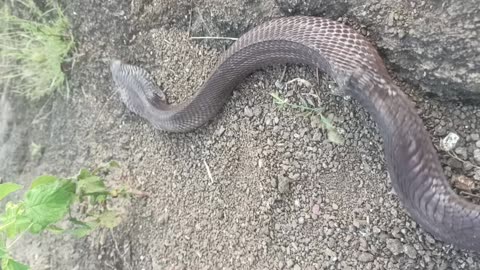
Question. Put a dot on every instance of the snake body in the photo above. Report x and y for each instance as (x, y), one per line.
(355, 65)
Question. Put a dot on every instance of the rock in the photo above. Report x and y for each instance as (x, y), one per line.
(430, 239)
(316, 209)
(415, 54)
(163, 219)
(283, 184)
(248, 112)
(476, 156)
(365, 257)
(476, 175)
(317, 136)
(461, 152)
(410, 251)
(301, 220)
(449, 142)
(463, 182)
(455, 163)
(330, 253)
(289, 263)
(334, 206)
(395, 246)
(273, 182)
(220, 131)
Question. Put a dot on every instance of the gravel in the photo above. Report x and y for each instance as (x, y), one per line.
(280, 195)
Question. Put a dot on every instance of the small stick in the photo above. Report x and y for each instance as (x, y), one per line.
(208, 171)
(455, 156)
(470, 194)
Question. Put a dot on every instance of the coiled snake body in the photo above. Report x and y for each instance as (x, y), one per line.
(355, 65)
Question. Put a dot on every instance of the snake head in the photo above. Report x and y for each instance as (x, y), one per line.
(136, 87)
(128, 86)
(120, 72)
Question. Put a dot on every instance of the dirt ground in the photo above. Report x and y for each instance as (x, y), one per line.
(280, 196)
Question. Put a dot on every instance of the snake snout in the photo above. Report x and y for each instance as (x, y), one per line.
(115, 68)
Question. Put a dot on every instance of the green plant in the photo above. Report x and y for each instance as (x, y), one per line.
(47, 206)
(33, 50)
(332, 133)
(36, 150)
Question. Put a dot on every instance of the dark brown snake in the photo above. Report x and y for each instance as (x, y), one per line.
(355, 65)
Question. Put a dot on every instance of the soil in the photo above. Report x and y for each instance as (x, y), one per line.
(260, 187)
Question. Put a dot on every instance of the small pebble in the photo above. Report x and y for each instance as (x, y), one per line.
(410, 251)
(476, 175)
(248, 112)
(283, 184)
(365, 257)
(430, 239)
(163, 219)
(301, 220)
(476, 155)
(449, 142)
(395, 246)
(461, 152)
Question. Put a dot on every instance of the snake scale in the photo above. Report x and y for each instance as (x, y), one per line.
(355, 65)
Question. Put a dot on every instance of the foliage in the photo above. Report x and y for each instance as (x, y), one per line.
(48, 202)
(33, 50)
(332, 133)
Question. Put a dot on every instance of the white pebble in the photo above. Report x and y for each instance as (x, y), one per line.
(449, 142)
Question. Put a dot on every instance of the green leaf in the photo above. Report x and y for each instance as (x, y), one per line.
(42, 180)
(81, 228)
(36, 150)
(102, 198)
(92, 185)
(334, 137)
(3, 249)
(10, 264)
(82, 231)
(77, 222)
(113, 164)
(7, 188)
(14, 221)
(106, 167)
(109, 219)
(327, 123)
(47, 204)
(55, 229)
(84, 173)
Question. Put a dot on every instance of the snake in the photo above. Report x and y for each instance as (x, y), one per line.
(355, 65)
